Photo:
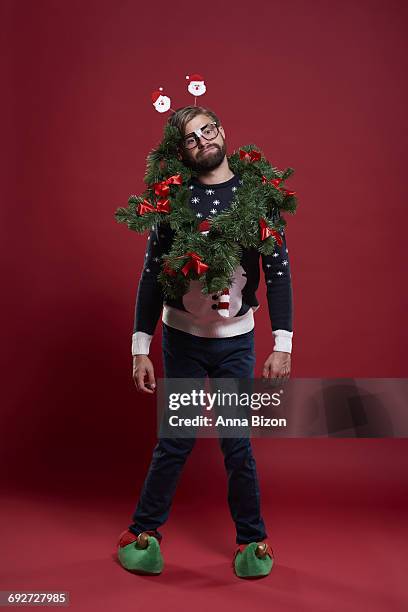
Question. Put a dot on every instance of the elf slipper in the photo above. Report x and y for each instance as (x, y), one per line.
(254, 560)
(140, 554)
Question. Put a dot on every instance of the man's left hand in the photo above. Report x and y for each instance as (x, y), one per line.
(277, 365)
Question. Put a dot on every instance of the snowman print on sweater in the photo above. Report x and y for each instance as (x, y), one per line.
(219, 304)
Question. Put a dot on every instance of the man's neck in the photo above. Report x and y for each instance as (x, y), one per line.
(219, 175)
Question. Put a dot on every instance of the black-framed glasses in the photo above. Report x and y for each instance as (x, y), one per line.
(208, 132)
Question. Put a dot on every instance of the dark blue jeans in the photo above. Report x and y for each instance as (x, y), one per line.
(188, 356)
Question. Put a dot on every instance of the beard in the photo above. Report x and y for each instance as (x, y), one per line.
(206, 161)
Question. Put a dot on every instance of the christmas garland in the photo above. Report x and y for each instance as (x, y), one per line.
(210, 250)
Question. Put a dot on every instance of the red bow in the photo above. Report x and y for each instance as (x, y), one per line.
(145, 207)
(195, 262)
(249, 155)
(267, 231)
(162, 189)
(162, 206)
(275, 183)
(286, 192)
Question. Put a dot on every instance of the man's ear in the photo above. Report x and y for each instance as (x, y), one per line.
(221, 129)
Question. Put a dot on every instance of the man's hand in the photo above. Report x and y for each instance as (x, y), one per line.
(277, 365)
(142, 367)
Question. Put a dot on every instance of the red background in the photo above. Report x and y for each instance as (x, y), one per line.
(319, 86)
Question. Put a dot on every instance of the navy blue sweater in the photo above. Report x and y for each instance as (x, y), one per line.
(198, 314)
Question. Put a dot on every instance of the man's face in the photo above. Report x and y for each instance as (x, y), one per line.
(208, 154)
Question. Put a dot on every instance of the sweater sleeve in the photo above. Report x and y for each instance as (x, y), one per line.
(278, 281)
(149, 299)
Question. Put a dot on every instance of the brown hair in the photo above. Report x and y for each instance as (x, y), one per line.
(182, 116)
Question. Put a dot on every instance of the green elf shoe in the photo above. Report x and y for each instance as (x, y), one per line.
(140, 554)
(254, 560)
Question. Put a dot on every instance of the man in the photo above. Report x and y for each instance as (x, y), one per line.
(198, 342)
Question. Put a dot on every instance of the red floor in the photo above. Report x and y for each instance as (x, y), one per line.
(331, 559)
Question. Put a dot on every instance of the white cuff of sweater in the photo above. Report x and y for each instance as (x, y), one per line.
(283, 340)
(141, 343)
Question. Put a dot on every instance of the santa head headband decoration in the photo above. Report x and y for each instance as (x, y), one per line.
(160, 102)
(196, 87)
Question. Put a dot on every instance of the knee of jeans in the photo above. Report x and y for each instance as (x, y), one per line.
(235, 447)
(177, 447)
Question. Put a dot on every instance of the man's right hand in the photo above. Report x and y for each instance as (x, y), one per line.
(142, 367)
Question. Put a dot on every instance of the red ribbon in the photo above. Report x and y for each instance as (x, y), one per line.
(163, 206)
(275, 183)
(162, 189)
(267, 231)
(286, 192)
(145, 207)
(249, 155)
(195, 262)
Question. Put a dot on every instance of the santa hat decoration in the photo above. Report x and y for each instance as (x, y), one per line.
(156, 94)
(195, 77)
(196, 85)
(224, 303)
(204, 227)
(160, 102)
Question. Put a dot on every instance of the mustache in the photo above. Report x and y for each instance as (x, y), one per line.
(209, 147)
